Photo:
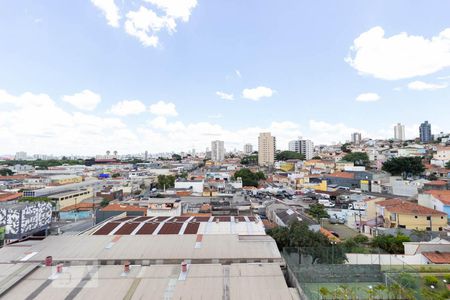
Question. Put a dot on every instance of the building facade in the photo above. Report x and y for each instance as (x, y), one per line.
(356, 138)
(266, 149)
(248, 148)
(399, 132)
(425, 132)
(305, 147)
(217, 151)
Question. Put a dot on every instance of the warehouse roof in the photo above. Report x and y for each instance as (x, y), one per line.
(85, 248)
(208, 281)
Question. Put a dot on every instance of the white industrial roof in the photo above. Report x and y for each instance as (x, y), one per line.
(144, 247)
(207, 281)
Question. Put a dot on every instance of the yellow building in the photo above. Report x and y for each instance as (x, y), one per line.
(304, 183)
(69, 198)
(65, 179)
(399, 213)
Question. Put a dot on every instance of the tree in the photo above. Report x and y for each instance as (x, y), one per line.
(166, 181)
(358, 158)
(344, 148)
(104, 203)
(447, 165)
(391, 244)
(115, 175)
(250, 160)
(248, 177)
(176, 157)
(318, 211)
(309, 242)
(317, 157)
(6, 172)
(405, 166)
(285, 155)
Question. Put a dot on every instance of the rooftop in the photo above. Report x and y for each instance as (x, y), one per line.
(347, 175)
(443, 196)
(206, 281)
(438, 257)
(406, 207)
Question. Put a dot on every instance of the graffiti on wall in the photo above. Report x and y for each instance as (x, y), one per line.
(25, 218)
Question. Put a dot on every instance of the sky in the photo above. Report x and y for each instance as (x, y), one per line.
(83, 77)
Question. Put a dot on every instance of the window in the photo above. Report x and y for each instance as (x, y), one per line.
(415, 217)
(393, 217)
(428, 229)
(440, 228)
(429, 218)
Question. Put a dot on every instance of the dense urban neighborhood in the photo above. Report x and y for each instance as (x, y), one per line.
(356, 219)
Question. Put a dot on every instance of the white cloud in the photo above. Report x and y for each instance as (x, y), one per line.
(257, 93)
(325, 132)
(84, 100)
(368, 97)
(177, 9)
(238, 73)
(127, 107)
(164, 109)
(110, 10)
(47, 128)
(145, 23)
(224, 95)
(425, 86)
(399, 56)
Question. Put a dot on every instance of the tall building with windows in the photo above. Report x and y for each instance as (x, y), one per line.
(217, 151)
(425, 132)
(248, 148)
(399, 132)
(20, 155)
(266, 149)
(305, 147)
(356, 138)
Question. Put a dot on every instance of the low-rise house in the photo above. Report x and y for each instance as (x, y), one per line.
(399, 213)
(436, 199)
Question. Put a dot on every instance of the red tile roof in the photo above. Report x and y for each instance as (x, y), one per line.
(122, 207)
(401, 206)
(9, 196)
(342, 175)
(443, 196)
(436, 182)
(438, 257)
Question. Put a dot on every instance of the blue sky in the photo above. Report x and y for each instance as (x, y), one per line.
(295, 68)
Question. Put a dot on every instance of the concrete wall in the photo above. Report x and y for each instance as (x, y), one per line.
(385, 259)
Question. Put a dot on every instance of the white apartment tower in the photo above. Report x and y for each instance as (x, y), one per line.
(217, 151)
(248, 149)
(356, 138)
(305, 147)
(399, 132)
(266, 149)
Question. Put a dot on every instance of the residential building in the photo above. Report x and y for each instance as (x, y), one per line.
(217, 151)
(399, 213)
(266, 149)
(248, 149)
(425, 132)
(441, 157)
(305, 147)
(436, 199)
(356, 138)
(165, 207)
(21, 155)
(399, 132)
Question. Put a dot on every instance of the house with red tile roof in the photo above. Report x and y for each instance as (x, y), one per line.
(400, 213)
(436, 199)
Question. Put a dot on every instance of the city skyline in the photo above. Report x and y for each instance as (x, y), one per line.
(90, 77)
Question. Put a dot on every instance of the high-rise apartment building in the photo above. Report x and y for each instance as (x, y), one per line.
(305, 147)
(399, 132)
(266, 149)
(356, 138)
(248, 148)
(20, 155)
(425, 132)
(217, 151)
